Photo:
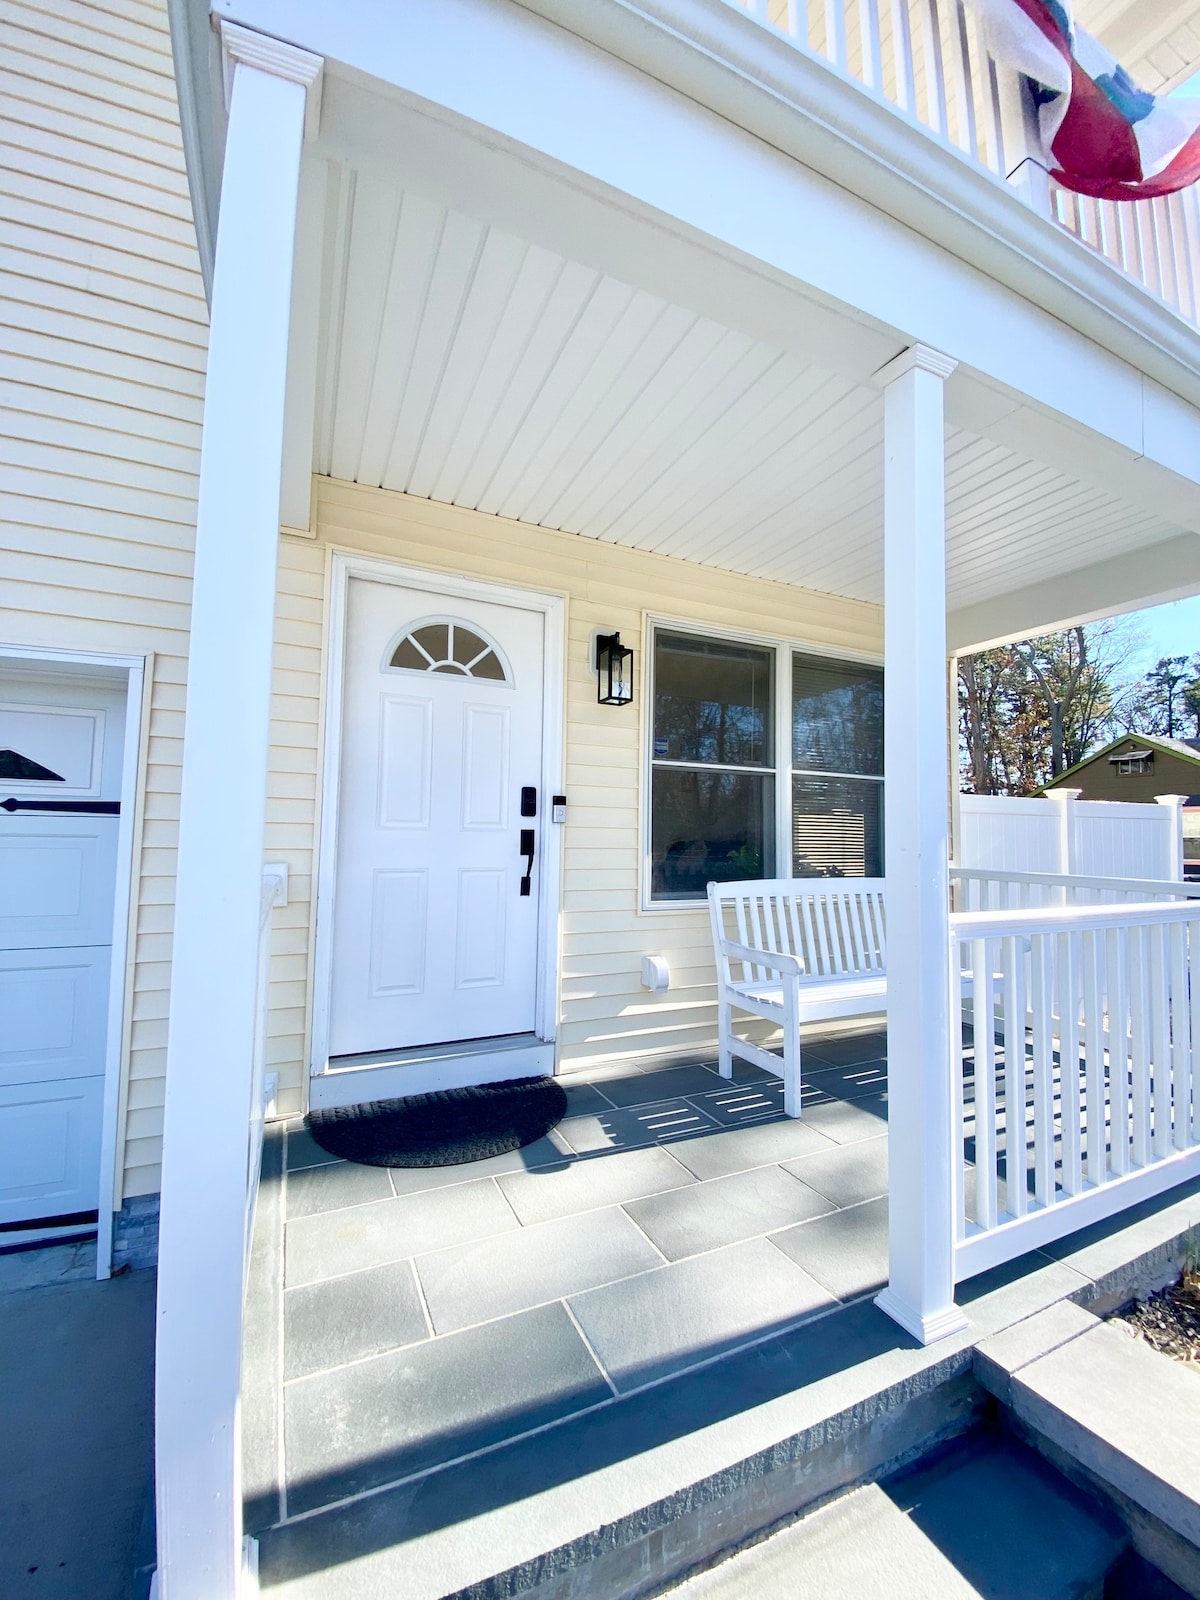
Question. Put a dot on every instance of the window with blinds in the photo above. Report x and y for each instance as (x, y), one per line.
(712, 783)
(727, 800)
(837, 769)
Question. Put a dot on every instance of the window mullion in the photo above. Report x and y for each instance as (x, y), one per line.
(783, 762)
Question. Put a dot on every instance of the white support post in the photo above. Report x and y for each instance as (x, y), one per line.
(922, 1029)
(1173, 851)
(271, 90)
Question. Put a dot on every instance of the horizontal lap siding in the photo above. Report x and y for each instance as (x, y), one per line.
(102, 346)
(605, 1012)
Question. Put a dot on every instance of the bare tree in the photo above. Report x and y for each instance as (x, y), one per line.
(1028, 711)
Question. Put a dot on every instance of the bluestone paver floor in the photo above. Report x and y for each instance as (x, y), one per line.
(76, 1428)
(672, 1218)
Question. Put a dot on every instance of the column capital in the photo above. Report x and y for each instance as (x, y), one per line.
(265, 54)
(920, 356)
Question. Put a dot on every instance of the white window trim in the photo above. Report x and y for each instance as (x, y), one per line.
(783, 646)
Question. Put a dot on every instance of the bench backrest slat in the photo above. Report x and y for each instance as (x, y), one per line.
(837, 927)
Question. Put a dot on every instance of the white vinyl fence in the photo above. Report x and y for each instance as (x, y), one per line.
(1062, 834)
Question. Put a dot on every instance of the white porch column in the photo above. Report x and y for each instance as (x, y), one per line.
(921, 1029)
(271, 88)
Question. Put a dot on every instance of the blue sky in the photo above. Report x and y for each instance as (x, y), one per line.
(1170, 630)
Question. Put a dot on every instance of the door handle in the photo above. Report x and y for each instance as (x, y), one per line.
(73, 808)
(527, 849)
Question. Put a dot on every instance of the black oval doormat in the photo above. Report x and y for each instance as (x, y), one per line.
(442, 1129)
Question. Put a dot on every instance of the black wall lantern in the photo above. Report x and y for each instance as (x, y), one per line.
(614, 670)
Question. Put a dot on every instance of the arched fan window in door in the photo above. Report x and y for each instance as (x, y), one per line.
(443, 645)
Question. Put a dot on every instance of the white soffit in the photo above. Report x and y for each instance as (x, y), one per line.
(1158, 43)
(462, 364)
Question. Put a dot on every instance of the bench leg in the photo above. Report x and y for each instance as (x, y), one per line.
(724, 1039)
(791, 1051)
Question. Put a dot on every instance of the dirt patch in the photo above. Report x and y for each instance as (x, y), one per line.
(1170, 1320)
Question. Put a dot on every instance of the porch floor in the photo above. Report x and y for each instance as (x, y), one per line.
(671, 1217)
(446, 1370)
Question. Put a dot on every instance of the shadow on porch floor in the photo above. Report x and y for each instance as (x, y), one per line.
(401, 1321)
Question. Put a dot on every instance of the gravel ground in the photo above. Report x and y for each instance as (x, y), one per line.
(1170, 1320)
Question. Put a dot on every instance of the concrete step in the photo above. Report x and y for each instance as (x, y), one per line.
(1116, 1415)
(987, 1519)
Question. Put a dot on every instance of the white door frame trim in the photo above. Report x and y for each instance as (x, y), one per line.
(347, 564)
(136, 676)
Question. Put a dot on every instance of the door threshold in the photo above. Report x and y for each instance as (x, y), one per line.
(395, 1074)
(434, 1052)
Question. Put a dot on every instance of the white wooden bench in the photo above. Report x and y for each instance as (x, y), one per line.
(795, 950)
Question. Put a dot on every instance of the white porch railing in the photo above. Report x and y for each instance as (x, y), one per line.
(1155, 241)
(986, 889)
(927, 58)
(1078, 1081)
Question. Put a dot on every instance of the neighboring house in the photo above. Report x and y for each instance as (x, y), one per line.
(1141, 767)
(528, 325)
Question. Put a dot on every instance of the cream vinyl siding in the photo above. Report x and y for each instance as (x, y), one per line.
(102, 347)
(606, 1014)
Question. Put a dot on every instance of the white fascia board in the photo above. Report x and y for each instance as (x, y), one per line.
(1156, 573)
(698, 112)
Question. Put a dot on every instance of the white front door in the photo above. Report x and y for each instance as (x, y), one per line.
(441, 820)
(60, 782)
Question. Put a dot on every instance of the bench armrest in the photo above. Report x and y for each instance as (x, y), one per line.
(775, 961)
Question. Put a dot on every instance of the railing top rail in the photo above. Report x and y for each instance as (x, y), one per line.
(1176, 886)
(967, 925)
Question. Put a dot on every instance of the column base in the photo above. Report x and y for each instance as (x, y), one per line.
(925, 1329)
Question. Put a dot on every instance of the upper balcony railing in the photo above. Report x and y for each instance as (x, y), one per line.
(927, 58)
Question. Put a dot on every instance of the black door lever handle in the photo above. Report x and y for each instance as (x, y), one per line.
(527, 849)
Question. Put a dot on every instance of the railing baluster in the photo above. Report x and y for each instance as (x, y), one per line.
(960, 63)
(1093, 1024)
(1016, 1131)
(996, 157)
(1117, 985)
(835, 33)
(868, 32)
(902, 56)
(1181, 1037)
(935, 72)
(1193, 1001)
(959, 1108)
(1139, 1038)
(983, 1027)
(1068, 1063)
(1160, 1042)
(1042, 992)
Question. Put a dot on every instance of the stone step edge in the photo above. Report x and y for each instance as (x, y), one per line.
(1163, 1522)
(1148, 1252)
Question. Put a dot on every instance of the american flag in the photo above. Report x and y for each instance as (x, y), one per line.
(1100, 133)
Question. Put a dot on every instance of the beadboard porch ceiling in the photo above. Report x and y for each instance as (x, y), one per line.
(461, 361)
